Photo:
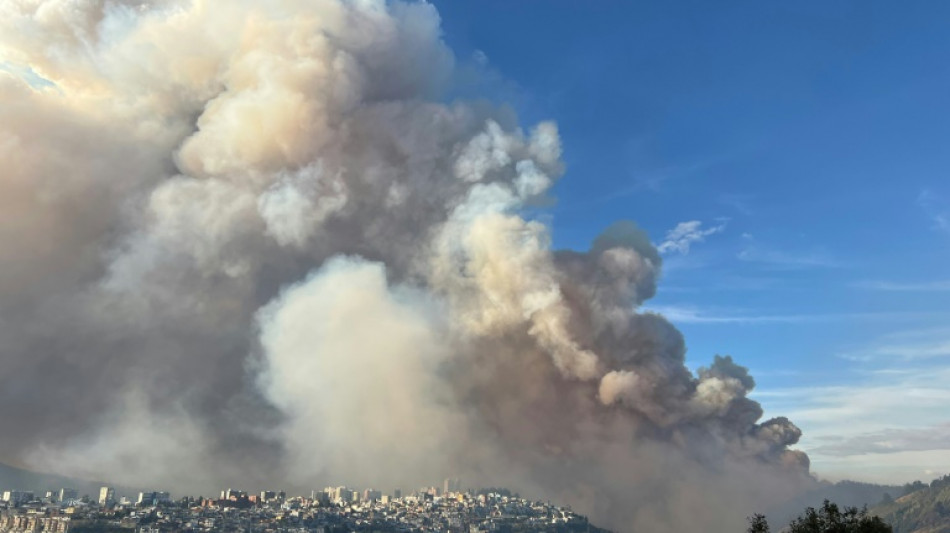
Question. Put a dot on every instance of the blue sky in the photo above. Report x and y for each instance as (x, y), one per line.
(809, 140)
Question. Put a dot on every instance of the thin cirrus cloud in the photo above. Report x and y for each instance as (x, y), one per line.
(694, 315)
(685, 234)
(731, 283)
(772, 258)
(906, 352)
(904, 345)
(889, 440)
(685, 314)
(782, 260)
(742, 203)
(870, 404)
(889, 422)
(936, 208)
(891, 286)
(644, 181)
(881, 413)
(646, 177)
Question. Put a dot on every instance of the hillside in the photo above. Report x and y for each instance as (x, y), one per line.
(926, 510)
(843, 493)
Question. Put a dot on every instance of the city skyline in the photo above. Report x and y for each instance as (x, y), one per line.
(333, 509)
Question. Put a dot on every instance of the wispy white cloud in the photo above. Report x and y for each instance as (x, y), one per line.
(891, 468)
(685, 314)
(867, 429)
(479, 57)
(731, 283)
(874, 403)
(754, 252)
(646, 176)
(906, 351)
(740, 202)
(904, 345)
(652, 178)
(693, 315)
(936, 208)
(685, 234)
(787, 260)
(889, 440)
(925, 286)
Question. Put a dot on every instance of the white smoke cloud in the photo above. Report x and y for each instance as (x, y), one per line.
(290, 212)
(354, 364)
(264, 220)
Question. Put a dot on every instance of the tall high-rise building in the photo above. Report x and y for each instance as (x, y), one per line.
(451, 485)
(340, 494)
(106, 496)
(153, 498)
(233, 494)
(66, 495)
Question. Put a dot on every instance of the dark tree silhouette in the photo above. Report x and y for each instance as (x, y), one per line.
(914, 487)
(828, 519)
(831, 519)
(758, 524)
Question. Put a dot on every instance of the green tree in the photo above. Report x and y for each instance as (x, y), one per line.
(831, 519)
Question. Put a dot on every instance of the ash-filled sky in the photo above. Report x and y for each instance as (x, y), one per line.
(311, 242)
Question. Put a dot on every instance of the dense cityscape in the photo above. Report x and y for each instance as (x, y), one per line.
(334, 509)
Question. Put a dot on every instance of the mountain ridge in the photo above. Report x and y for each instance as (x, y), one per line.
(924, 509)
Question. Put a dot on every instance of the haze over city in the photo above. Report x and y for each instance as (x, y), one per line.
(627, 257)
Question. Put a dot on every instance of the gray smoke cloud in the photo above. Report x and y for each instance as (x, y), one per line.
(249, 243)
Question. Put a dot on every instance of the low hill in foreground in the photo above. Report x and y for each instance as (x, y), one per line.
(925, 510)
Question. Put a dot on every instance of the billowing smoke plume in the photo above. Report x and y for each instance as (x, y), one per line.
(250, 243)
